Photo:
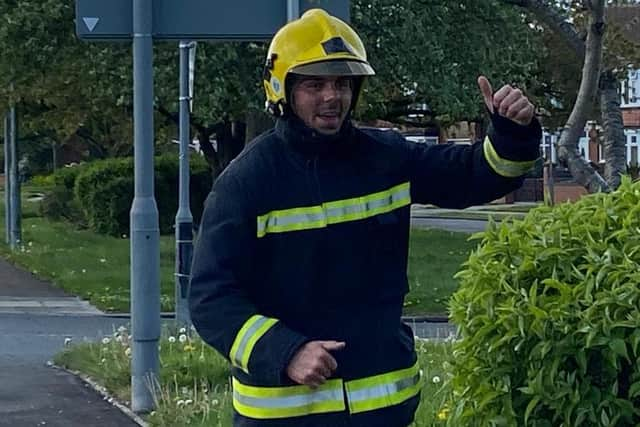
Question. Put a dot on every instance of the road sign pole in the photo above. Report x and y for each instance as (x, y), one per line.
(184, 220)
(14, 205)
(293, 10)
(7, 179)
(145, 233)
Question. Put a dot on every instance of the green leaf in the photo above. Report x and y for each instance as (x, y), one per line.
(530, 407)
(619, 347)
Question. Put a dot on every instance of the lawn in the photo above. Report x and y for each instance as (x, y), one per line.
(194, 379)
(96, 267)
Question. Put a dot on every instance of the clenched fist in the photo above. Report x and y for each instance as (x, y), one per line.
(313, 363)
(508, 102)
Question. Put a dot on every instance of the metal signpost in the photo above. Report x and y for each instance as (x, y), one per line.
(15, 226)
(184, 219)
(142, 21)
(7, 180)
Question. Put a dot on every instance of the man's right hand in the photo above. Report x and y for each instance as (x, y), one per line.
(313, 363)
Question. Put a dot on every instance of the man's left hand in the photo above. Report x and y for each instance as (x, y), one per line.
(508, 102)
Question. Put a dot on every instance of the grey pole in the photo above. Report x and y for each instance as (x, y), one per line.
(293, 9)
(7, 180)
(145, 233)
(14, 206)
(184, 220)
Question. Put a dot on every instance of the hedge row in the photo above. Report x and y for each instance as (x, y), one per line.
(98, 195)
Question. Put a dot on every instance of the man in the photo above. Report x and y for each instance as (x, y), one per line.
(299, 273)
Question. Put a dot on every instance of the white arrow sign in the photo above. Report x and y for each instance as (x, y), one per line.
(91, 23)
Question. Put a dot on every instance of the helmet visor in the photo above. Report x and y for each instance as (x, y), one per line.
(334, 68)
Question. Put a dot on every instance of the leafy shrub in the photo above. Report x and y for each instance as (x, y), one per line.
(549, 318)
(106, 189)
(59, 201)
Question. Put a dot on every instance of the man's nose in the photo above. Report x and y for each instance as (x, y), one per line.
(330, 91)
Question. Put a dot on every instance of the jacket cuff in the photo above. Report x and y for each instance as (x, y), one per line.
(264, 347)
(515, 142)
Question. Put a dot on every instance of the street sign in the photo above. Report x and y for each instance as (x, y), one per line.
(195, 19)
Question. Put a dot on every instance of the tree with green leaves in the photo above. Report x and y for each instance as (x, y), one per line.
(424, 52)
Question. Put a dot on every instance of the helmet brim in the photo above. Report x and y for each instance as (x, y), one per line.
(336, 67)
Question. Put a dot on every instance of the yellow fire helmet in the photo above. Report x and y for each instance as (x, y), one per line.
(316, 44)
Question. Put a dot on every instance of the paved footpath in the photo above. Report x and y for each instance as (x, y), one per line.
(35, 319)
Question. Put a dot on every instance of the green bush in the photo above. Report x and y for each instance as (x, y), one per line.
(106, 189)
(59, 200)
(549, 318)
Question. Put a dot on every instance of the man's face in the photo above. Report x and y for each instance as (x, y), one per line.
(322, 102)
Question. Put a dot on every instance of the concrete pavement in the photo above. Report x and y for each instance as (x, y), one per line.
(35, 319)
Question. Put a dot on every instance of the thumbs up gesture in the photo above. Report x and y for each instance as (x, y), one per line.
(507, 102)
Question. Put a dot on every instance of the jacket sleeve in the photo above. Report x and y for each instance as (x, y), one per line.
(221, 307)
(458, 176)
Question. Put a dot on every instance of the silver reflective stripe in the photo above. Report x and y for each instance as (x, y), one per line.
(285, 220)
(242, 347)
(383, 389)
(290, 401)
(334, 212)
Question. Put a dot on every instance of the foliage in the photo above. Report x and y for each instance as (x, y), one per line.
(549, 320)
(105, 192)
(69, 87)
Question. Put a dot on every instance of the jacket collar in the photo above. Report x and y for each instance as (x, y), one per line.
(311, 143)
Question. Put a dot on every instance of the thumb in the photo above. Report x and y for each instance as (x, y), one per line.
(487, 92)
(333, 345)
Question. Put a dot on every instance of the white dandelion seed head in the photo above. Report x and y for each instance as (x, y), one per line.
(183, 330)
(127, 352)
(180, 402)
(172, 339)
(106, 340)
(435, 379)
(188, 402)
(67, 341)
(182, 338)
(214, 402)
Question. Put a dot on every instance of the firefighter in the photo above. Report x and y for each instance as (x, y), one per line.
(299, 272)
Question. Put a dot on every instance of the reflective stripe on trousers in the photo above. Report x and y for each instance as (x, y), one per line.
(363, 394)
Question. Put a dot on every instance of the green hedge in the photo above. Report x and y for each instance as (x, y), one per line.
(99, 194)
(549, 317)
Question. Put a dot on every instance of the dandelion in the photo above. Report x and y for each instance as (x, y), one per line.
(103, 360)
(103, 260)
(182, 338)
(30, 244)
(106, 340)
(188, 402)
(189, 348)
(172, 339)
(443, 414)
(67, 341)
(435, 379)
(119, 338)
(127, 352)
(183, 330)
(122, 329)
(214, 402)
(84, 270)
(180, 402)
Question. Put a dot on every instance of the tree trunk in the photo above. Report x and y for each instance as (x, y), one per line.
(591, 53)
(257, 123)
(568, 144)
(614, 148)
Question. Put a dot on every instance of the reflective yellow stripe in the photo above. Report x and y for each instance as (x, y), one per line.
(504, 167)
(334, 212)
(283, 402)
(380, 391)
(364, 394)
(252, 330)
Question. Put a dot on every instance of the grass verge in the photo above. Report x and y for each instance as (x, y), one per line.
(194, 384)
